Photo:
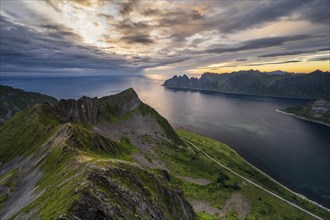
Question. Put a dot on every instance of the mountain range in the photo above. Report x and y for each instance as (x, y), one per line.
(253, 82)
(115, 157)
(14, 100)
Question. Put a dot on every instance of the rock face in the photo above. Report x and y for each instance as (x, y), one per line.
(310, 86)
(14, 100)
(92, 110)
(129, 192)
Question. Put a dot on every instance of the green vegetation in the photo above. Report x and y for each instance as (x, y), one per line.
(79, 167)
(187, 161)
(253, 82)
(306, 112)
(26, 132)
(15, 100)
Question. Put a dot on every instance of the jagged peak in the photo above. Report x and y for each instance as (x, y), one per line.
(92, 110)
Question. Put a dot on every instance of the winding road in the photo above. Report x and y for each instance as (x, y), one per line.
(253, 183)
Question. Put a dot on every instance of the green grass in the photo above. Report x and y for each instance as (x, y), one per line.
(205, 216)
(303, 112)
(187, 161)
(26, 132)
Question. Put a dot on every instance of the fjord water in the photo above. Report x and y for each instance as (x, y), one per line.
(293, 151)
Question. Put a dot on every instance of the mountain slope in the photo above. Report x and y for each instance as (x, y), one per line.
(88, 173)
(80, 159)
(309, 86)
(14, 100)
(318, 110)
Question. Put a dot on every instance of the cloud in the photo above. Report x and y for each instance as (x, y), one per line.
(320, 58)
(127, 7)
(142, 39)
(133, 35)
(281, 62)
(286, 53)
(260, 43)
(50, 47)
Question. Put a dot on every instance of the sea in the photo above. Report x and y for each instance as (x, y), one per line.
(294, 152)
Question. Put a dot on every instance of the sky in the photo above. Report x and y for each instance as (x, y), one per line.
(117, 37)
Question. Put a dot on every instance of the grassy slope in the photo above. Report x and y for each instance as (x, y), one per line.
(27, 130)
(303, 112)
(73, 151)
(188, 162)
(66, 166)
(14, 100)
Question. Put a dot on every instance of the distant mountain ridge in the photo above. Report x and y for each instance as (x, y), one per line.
(253, 82)
(14, 100)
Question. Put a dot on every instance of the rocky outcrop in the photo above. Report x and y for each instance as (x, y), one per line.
(93, 110)
(253, 82)
(14, 100)
(128, 191)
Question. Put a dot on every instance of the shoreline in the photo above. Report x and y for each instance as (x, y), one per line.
(233, 93)
(302, 117)
(264, 173)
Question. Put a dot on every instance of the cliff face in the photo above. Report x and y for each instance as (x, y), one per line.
(135, 194)
(14, 100)
(311, 86)
(92, 110)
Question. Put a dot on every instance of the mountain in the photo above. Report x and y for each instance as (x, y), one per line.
(14, 100)
(318, 110)
(117, 158)
(52, 165)
(253, 82)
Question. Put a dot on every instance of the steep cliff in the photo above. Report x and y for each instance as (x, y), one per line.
(93, 110)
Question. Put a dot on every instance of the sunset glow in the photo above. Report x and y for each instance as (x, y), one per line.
(155, 37)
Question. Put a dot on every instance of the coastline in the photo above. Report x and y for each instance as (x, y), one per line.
(264, 173)
(234, 93)
(302, 117)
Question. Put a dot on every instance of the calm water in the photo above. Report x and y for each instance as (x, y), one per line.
(293, 151)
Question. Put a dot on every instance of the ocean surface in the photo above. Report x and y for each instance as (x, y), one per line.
(293, 151)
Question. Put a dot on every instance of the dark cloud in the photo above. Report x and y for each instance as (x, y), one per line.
(324, 49)
(316, 12)
(285, 53)
(321, 58)
(127, 7)
(297, 52)
(141, 39)
(258, 43)
(241, 60)
(243, 15)
(281, 62)
(51, 47)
